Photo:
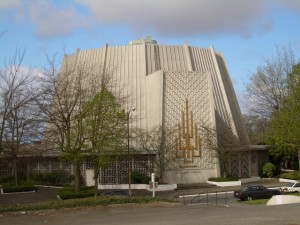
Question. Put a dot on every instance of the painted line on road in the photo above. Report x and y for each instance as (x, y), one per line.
(211, 193)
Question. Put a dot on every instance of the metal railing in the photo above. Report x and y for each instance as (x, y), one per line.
(213, 198)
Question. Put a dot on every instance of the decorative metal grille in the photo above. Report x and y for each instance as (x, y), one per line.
(122, 167)
(245, 165)
(117, 173)
(234, 167)
(109, 174)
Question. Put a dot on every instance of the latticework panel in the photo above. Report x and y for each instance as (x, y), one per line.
(245, 165)
(234, 167)
(122, 166)
(117, 172)
(193, 87)
(4, 169)
(109, 174)
(141, 164)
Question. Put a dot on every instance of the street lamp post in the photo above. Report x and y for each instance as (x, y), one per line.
(129, 158)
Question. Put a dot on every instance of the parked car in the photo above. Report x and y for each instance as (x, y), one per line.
(116, 193)
(255, 192)
(291, 187)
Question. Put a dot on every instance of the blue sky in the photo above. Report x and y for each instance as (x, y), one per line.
(246, 32)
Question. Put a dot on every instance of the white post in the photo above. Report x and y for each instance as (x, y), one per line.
(153, 184)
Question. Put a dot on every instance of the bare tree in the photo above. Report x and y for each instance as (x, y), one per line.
(256, 127)
(268, 85)
(20, 121)
(158, 141)
(61, 101)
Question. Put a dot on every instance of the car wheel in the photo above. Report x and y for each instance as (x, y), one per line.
(249, 198)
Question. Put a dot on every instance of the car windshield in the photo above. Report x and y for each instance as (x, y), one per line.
(262, 188)
(290, 184)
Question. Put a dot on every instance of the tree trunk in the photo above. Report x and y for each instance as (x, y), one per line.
(27, 169)
(96, 175)
(77, 177)
(15, 171)
(161, 169)
(299, 159)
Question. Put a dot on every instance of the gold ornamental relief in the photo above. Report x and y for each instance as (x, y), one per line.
(188, 143)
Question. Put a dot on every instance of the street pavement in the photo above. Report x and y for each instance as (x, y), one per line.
(160, 214)
(235, 213)
(50, 193)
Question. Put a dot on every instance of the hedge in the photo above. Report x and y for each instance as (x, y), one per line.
(20, 188)
(291, 175)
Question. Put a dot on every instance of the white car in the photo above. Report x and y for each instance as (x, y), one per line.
(291, 187)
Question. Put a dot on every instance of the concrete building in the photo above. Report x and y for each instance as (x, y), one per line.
(185, 88)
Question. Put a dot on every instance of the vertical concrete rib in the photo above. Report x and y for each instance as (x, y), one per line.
(142, 78)
(223, 95)
(188, 57)
(105, 58)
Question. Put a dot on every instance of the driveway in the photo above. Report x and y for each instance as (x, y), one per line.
(42, 194)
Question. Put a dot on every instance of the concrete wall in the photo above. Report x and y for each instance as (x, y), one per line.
(157, 79)
(189, 176)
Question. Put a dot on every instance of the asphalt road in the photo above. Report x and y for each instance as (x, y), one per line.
(162, 214)
(174, 214)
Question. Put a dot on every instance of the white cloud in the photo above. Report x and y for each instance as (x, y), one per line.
(168, 17)
(8, 4)
(184, 17)
(46, 18)
(49, 20)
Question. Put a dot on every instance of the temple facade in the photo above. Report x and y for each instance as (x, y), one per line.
(183, 88)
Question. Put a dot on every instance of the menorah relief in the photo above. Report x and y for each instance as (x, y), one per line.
(188, 143)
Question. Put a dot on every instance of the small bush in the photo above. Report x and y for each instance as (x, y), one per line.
(269, 169)
(69, 193)
(55, 177)
(291, 175)
(223, 179)
(20, 188)
(4, 179)
(139, 178)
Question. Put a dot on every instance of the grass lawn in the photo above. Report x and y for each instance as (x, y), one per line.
(255, 202)
(82, 202)
(264, 201)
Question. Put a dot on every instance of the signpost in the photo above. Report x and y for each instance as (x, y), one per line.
(153, 184)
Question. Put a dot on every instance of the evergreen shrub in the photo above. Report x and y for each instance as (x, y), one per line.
(269, 169)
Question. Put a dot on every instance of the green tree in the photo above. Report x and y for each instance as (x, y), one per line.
(285, 124)
(105, 123)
